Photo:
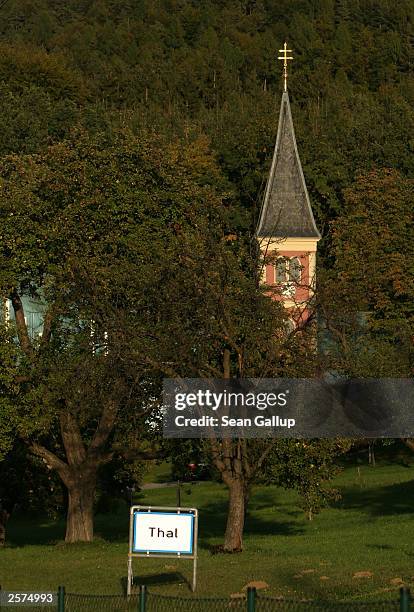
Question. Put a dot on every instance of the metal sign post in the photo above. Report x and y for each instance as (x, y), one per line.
(159, 531)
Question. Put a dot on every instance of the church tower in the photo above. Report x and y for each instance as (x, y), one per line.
(286, 230)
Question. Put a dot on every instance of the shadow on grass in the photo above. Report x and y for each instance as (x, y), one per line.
(269, 500)
(41, 530)
(213, 522)
(380, 546)
(266, 516)
(113, 528)
(30, 532)
(393, 454)
(390, 500)
(150, 580)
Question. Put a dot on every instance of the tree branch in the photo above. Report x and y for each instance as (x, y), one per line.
(50, 459)
(47, 326)
(262, 457)
(21, 326)
(72, 438)
(216, 455)
(104, 428)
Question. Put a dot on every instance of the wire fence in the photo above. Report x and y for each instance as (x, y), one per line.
(99, 603)
(277, 604)
(251, 601)
(163, 603)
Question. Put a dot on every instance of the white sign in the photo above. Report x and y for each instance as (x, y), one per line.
(167, 532)
(159, 531)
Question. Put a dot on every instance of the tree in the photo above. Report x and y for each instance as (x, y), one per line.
(307, 466)
(221, 323)
(85, 227)
(367, 295)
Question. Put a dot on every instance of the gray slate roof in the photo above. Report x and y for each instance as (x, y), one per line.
(286, 210)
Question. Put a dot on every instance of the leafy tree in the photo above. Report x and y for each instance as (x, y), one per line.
(206, 67)
(307, 466)
(212, 64)
(220, 323)
(85, 226)
(367, 296)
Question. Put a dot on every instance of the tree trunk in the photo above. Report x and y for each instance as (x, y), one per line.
(233, 538)
(79, 471)
(79, 524)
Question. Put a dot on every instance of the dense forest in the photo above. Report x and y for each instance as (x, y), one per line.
(210, 66)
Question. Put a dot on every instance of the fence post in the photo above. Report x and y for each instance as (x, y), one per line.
(251, 599)
(142, 601)
(405, 600)
(61, 599)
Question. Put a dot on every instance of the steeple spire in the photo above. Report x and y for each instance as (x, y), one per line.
(286, 228)
(285, 59)
(286, 210)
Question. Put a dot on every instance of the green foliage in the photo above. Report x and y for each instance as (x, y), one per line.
(90, 198)
(26, 65)
(184, 452)
(307, 466)
(8, 391)
(27, 486)
(212, 65)
(367, 297)
(369, 527)
(85, 226)
(118, 480)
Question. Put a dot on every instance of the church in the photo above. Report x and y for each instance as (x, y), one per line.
(286, 228)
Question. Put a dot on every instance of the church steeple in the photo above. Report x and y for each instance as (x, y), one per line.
(286, 210)
(287, 232)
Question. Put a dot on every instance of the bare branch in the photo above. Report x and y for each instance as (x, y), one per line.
(262, 457)
(163, 367)
(216, 455)
(212, 370)
(226, 364)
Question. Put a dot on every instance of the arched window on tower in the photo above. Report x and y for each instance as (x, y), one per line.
(288, 270)
(281, 271)
(295, 270)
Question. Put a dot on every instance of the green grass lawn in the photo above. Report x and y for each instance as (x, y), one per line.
(158, 472)
(370, 530)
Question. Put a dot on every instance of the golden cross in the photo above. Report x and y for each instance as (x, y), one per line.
(285, 59)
